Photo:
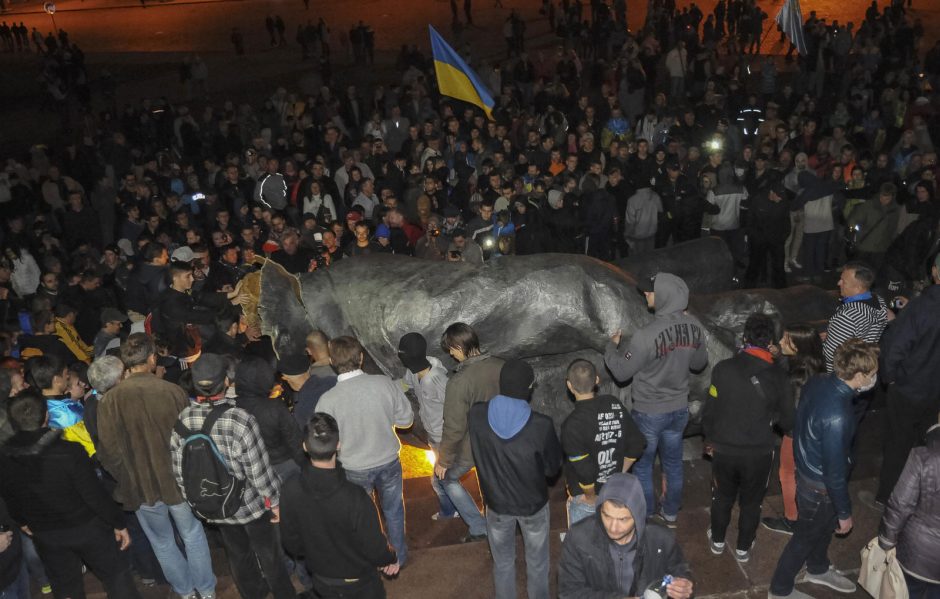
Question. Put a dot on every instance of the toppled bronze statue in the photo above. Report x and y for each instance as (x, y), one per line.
(547, 308)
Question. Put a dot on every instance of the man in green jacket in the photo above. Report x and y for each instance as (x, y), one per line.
(874, 224)
(475, 380)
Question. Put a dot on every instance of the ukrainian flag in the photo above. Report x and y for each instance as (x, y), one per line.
(455, 78)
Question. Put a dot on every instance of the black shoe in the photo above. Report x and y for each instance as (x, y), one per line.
(661, 518)
(781, 525)
(469, 538)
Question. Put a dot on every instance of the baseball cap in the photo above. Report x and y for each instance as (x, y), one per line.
(645, 283)
(293, 364)
(183, 253)
(383, 231)
(412, 351)
(354, 216)
(209, 373)
(673, 165)
(112, 315)
(126, 247)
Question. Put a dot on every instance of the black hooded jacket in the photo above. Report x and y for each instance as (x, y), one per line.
(254, 380)
(587, 570)
(909, 253)
(143, 286)
(333, 524)
(12, 557)
(50, 484)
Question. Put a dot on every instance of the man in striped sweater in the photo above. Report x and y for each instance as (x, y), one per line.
(861, 314)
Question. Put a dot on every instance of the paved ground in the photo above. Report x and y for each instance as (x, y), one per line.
(141, 47)
(204, 25)
(440, 567)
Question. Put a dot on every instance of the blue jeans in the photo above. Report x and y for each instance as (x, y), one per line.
(192, 572)
(815, 252)
(19, 588)
(809, 544)
(452, 494)
(33, 564)
(577, 510)
(916, 588)
(446, 507)
(501, 532)
(663, 433)
(386, 480)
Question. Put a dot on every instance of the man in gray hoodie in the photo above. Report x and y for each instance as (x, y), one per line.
(617, 553)
(659, 358)
(642, 218)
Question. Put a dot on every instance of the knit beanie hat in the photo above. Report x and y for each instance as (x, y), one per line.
(516, 379)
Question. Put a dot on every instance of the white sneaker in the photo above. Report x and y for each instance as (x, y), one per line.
(796, 264)
(716, 548)
(833, 579)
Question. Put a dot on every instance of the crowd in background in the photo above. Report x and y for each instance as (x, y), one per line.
(125, 246)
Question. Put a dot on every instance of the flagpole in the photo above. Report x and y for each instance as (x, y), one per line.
(763, 35)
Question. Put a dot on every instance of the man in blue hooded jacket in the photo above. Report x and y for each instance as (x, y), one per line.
(515, 449)
(617, 553)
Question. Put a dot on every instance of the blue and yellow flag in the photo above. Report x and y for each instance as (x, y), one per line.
(455, 78)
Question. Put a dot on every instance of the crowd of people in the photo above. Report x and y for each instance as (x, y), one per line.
(136, 383)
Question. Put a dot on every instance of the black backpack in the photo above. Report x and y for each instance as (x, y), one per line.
(209, 486)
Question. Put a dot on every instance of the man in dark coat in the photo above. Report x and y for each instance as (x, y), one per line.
(147, 280)
(51, 488)
(768, 226)
(332, 523)
(254, 379)
(683, 207)
(614, 554)
(908, 352)
(515, 449)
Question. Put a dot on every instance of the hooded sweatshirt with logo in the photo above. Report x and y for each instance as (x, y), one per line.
(660, 355)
